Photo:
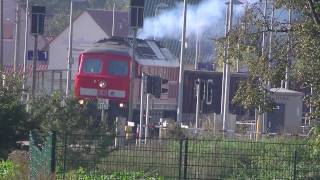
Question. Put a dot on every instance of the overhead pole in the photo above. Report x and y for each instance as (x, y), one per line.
(70, 50)
(270, 42)
(113, 17)
(263, 44)
(224, 59)
(286, 83)
(26, 30)
(17, 38)
(227, 73)
(34, 67)
(181, 67)
(1, 35)
(143, 82)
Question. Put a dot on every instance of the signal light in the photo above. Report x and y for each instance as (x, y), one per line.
(37, 19)
(156, 86)
(164, 86)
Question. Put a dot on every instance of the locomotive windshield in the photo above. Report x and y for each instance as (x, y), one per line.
(118, 68)
(92, 66)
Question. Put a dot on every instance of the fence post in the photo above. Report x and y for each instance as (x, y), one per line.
(185, 164)
(64, 155)
(53, 155)
(52, 80)
(295, 165)
(180, 157)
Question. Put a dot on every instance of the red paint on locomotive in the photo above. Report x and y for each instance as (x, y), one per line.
(103, 75)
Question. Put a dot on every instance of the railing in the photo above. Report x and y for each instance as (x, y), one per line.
(185, 158)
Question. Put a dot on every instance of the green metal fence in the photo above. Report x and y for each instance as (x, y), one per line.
(185, 158)
(41, 154)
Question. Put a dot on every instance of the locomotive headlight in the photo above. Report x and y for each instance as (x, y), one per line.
(81, 101)
(102, 84)
(121, 105)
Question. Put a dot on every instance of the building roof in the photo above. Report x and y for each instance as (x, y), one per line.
(104, 19)
(286, 91)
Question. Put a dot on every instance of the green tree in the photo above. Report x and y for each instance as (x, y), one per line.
(65, 115)
(12, 113)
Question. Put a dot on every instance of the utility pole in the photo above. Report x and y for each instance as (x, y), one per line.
(70, 50)
(181, 68)
(224, 59)
(227, 73)
(132, 74)
(1, 34)
(198, 102)
(270, 41)
(286, 82)
(263, 44)
(17, 38)
(26, 30)
(113, 17)
(147, 117)
(143, 77)
(34, 67)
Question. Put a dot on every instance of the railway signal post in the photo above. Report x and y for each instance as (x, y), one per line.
(136, 22)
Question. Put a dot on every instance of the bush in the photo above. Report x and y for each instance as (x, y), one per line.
(13, 116)
(7, 170)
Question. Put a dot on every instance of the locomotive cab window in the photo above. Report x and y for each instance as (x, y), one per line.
(92, 66)
(118, 68)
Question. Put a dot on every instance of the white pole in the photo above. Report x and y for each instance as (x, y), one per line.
(70, 50)
(270, 41)
(17, 39)
(181, 69)
(147, 118)
(1, 34)
(224, 58)
(25, 53)
(264, 33)
(227, 76)
(113, 16)
(141, 105)
(198, 102)
(196, 61)
(286, 83)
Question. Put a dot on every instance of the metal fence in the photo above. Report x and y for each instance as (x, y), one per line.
(185, 158)
(41, 156)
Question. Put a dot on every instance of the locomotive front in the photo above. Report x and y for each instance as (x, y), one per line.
(104, 73)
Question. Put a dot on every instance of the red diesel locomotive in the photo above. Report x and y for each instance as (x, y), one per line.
(104, 72)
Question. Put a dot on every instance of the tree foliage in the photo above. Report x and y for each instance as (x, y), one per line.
(42, 114)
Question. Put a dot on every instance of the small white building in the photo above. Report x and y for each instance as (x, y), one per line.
(88, 28)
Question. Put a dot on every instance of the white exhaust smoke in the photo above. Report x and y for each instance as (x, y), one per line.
(206, 17)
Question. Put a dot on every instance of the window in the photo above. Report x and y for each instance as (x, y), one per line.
(118, 68)
(92, 66)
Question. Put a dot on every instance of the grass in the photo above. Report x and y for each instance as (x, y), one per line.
(81, 174)
(202, 159)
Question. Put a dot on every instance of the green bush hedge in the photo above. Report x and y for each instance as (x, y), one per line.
(8, 170)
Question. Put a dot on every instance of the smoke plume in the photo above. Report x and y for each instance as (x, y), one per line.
(207, 17)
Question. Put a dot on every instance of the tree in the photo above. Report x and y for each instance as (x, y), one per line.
(65, 115)
(12, 113)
